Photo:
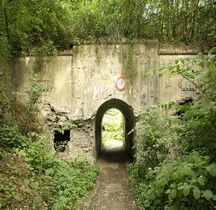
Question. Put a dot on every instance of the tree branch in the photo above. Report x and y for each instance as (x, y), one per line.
(194, 11)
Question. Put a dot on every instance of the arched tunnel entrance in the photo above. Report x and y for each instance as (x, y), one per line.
(129, 117)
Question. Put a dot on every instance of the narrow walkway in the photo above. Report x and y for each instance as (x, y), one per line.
(112, 190)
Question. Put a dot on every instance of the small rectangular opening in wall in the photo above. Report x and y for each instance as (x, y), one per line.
(61, 139)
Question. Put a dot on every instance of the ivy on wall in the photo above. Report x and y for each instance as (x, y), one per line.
(131, 70)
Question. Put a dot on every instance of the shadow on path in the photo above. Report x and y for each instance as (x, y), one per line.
(112, 190)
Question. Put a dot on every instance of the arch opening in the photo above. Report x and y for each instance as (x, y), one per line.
(129, 124)
(113, 131)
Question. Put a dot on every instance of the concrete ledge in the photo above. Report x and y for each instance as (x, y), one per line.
(179, 51)
(121, 41)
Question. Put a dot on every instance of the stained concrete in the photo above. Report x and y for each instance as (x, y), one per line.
(83, 79)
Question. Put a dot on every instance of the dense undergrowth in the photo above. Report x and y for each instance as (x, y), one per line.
(31, 176)
(176, 144)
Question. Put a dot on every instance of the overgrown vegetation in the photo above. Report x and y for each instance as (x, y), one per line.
(176, 156)
(176, 162)
(31, 176)
(44, 26)
(130, 70)
(113, 130)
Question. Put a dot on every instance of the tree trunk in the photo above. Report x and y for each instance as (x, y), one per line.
(6, 21)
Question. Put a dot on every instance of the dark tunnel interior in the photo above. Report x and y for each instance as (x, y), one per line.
(130, 121)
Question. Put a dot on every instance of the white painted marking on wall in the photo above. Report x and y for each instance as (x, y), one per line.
(27, 60)
(113, 70)
(101, 90)
(97, 91)
(130, 90)
(70, 81)
(94, 92)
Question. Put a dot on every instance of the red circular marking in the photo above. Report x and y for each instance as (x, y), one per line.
(121, 83)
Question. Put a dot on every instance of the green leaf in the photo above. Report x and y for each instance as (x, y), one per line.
(180, 186)
(186, 170)
(168, 191)
(208, 194)
(212, 169)
(175, 176)
(182, 207)
(49, 172)
(179, 174)
(174, 207)
(186, 189)
(201, 180)
(34, 185)
(196, 193)
(26, 182)
(173, 193)
(17, 197)
(163, 181)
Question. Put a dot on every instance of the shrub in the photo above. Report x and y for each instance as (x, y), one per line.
(157, 136)
(176, 166)
(184, 183)
(11, 137)
(8, 193)
(38, 157)
(65, 184)
(199, 129)
(68, 183)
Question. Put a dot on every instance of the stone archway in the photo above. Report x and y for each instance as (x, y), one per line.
(128, 114)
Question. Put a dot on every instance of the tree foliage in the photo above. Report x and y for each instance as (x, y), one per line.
(27, 24)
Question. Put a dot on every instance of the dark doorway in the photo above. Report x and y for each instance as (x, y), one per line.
(129, 125)
(61, 139)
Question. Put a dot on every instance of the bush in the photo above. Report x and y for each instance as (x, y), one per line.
(199, 129)
(11, 137)
(157, 136)
(184, 183)
(65, 184)
(68, 183)
(176, 166)
(38, 158)
(8, 193)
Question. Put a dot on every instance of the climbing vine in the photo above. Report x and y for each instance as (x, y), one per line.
(130, 69)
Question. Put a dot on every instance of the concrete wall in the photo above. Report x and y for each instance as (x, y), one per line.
(175, 88)
(83, 79)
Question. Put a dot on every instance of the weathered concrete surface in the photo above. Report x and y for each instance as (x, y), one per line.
(85, 78)
(174, 88)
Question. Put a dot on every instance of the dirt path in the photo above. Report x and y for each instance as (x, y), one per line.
(112, 190)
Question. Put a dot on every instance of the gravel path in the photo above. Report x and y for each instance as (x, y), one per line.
(112, 190)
